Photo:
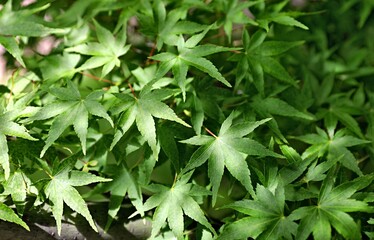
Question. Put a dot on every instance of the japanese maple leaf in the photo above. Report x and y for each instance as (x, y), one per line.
(332, 209)
(124, 183)
(70, 109)
(60, 189)
(172, 203)
(165, 25)
(141, 110)
(229, 149)
(335, 145)
(189, 54)
(10, 128)
(104, 53)
(265, 220)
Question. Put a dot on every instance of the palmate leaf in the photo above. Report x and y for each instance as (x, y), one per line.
(259, 58)
(172, 203)
(190, 55)
(124, 182)
(142, 110)
(332, 208)
(69, 110)
(266, 218)
(229, 150)
(10, 128)
(105, 53)
(335, 146)
(166, 25)
(60, 189)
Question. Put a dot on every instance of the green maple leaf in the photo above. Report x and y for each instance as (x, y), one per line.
(7, 214)
(172, 203)
(332, 208)
(234, 13)
(278, 16)
(105, 53)
(259, 58)
(335, 146)
(70, 109)
(266, 218)
(189, 54)
(60, 189)
(124, 183)
(18, 186)
(10, 128)
(228, 149)
(24, 22)
(141, 110)
(165, 25)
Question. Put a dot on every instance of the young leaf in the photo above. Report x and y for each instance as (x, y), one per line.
(7, 214)
(123, 183)
(190, 55)
(331, 209)
(266, 218)
(60, 189)
(106, 53)
(227, 149)
(172, 203)
(142, 110)
(70, 109)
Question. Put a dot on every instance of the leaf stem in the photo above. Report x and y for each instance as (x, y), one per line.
(210, 132)
(149, 61)
(96, 78)
(132, 89)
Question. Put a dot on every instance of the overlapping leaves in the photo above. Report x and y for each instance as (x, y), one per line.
(332, 208)
(9, 127)
(141, 110)
(266, 218)
(70, 109)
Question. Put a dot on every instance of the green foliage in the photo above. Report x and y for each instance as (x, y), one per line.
(146, 104)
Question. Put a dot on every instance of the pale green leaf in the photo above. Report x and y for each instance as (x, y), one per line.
(11, 45)
(289, 21)
(7, 214)
(59, 190)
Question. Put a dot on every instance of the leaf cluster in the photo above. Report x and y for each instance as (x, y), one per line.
(221, 119)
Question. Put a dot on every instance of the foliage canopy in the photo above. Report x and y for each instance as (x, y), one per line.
(147, 102)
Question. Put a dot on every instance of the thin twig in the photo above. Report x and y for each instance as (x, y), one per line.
(96, 78)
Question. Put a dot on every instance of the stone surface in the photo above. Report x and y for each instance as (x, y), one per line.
(75, 227)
